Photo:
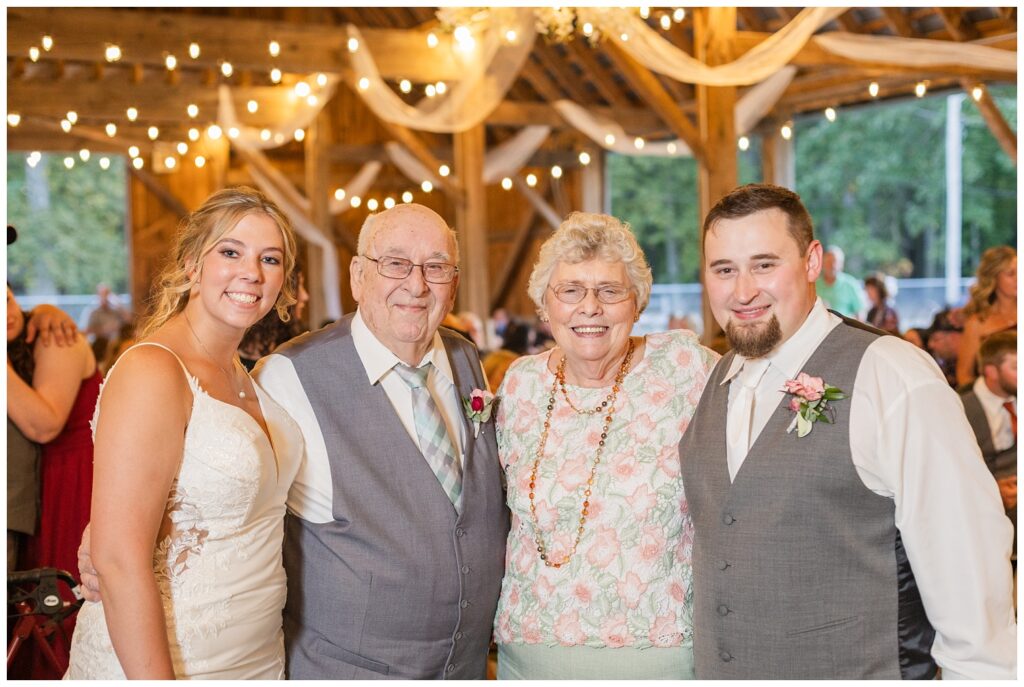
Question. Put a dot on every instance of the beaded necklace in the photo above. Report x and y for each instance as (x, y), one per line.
(608, 403)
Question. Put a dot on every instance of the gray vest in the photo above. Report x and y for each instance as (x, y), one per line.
(398, 584)
(22, 481)
(799, 571)
(1000, 463)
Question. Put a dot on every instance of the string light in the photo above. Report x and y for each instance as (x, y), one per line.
(556, 172)
(441, 87)
(132, 114)
(830, 114)
(339, 194)
(33, 53)
(133, 151)
(265, 134)
(302, 89)
(153, 132)
(431, 40)
(13, 119)
(427, 187)
(666, 22)
(137, 163)
(33, 158)
(193, 51)
(252, 106)
(639, 143)
(193, 134)
(312, 100)
(609, 139)
(920, 89)
(645, 12)
(364, 83)
(679, 15)
(671, 148)
(200, 161)
(170, 62)
(278, 138)
(170, 162)
(104, 163)
(84, 154)
(274, 48)
(786, 131)
(977, 93)
(531, 180)
(353, 44)
(226, 69)
(65, 125)
(588, 29)
(233, 132)
(744, 143)
(112, 52)
(407, 197)
(111, 129)
(371, 205)
(405, 86)
(464, 38)
(510, 36)
(69, 162)
(624, 36)
(444, 170)
(193, 110)
(275, 75)
(506, 184)
(300, 134)
(355, 201)
(214, 131)
(72, 116)
(182, 148)
(873, 89)
(321, 79)
(389, 203)
(430, 90)
(47, 41)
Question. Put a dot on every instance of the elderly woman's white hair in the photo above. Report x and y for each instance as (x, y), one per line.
(586, 235)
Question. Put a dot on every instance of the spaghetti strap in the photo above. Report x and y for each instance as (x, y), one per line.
(192, 379)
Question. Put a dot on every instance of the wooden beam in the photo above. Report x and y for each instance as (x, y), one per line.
(997, 124)
(537, 201)
(959, 28)
(513, 258)
(168, 199)
(451, 184)
(563, 72)
(898, 22)
(599, 75)
(592, 182)
(650, 89)
(471, 221)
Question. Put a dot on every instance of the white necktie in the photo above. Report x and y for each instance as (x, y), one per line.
(741, 412)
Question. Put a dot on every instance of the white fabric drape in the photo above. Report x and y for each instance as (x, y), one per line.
(653, 51)
(300, 113)
(916, 52)
(408, 165)
(356, 186)
(489, 73)
(507, 158)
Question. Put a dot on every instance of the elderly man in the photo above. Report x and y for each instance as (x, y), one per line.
(845, 524)
(395, 538)
(840, 291)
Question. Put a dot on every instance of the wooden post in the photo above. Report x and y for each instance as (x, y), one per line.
(778, 159)
(318, 140)
(471, 222)
(714, 35)
(592, 183)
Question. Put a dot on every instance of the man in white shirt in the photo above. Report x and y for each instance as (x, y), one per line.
(863, 539)
(395, 537)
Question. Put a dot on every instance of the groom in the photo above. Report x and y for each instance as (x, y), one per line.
(867, 541)
(395, 538)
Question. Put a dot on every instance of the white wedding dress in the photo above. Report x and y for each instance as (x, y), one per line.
(219, 569)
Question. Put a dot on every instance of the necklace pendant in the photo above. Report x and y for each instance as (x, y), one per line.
(241, 394)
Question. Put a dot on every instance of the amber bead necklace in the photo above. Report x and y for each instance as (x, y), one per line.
(609, 404)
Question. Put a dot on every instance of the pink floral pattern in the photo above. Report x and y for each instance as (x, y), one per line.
(630, 580)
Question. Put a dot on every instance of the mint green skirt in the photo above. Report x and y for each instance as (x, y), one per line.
(540, 662)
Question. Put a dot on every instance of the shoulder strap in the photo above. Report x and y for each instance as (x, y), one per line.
(191, 377)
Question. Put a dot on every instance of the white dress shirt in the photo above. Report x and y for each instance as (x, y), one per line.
(911, 441)
(311, 494)
(999, 423)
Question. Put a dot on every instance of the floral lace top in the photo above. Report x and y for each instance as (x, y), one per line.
(629, 582)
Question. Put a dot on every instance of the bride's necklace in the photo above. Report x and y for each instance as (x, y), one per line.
(230, 377)
(608, 403)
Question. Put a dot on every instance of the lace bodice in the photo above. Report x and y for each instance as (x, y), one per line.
(218, 559)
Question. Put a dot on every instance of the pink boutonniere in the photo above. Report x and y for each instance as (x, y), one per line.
(478, 408)
(810, 402)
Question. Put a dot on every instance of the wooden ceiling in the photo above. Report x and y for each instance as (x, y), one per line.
(73, 74)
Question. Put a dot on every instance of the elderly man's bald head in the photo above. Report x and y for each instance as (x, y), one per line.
(396, 216)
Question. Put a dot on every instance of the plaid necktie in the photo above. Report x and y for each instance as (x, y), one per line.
(435, 444)
(1013, 416)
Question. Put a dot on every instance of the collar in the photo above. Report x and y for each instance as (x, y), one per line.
(378, 360)
(988, 398)
(788, 358)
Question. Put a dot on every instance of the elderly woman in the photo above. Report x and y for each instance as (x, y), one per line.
(597, 576)
(992, 307)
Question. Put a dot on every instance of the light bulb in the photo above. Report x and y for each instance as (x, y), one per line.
(302, 89)
(214, 131)
(300, 134)
(977, 93)
(584, 158)
(182, 148)
(506, 184)
(353, 44)
(104, 163)
(639, 143)
(193, 134)
(786, 131)
(84, 154)
(200, 161)
(444, 170)
(364, 83)
(153, 133)
(170, 162)
(170, 62)
(265, 134)
(371, 204)
(13, 119)
(355, 201)
(193, 110)
(609, 139)
(830, 114)
(47, 42)
(531, 180)
(744, 143)
(678, 15)
(226, 69)
(33, 53)
(133, 151)
(873, 89)
(321, 79)
(132, 114)
(339, 194)
(427, 187)
(430, 90)
(275, 75)
(431, 40)
(69, 162)
(137, 163)
(111, 129)
(389, 203)
(252, 106)
(193, 51)
(112, 53)
(72, 116)
(556, 172)
(233, 132)
(920, 89)
(666, 22)
(407, 197)
(405, 86)
(65, 125)
(441, 87)
(274, 48)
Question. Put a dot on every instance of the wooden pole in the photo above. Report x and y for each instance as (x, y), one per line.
(471, 222)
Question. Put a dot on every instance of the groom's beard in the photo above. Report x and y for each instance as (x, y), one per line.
(754, 340)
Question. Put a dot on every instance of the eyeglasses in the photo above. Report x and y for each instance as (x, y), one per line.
(400, 268)
(575, 293)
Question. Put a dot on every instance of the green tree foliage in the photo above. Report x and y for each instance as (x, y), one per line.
(71, 225)
(873, 180)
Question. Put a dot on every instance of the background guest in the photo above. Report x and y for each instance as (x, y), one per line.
(516, 343)
(942, 340)
(840, 291)
(104, 321)
(992, 307)
(597, 573)
(881, 315)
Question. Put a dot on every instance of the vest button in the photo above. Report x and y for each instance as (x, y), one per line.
(728, 519)
(459, 531)
(465, 569)
(725, 656)
(450, 669)
(459, 635)
(722, 565)
(723, 610)
(463, 603)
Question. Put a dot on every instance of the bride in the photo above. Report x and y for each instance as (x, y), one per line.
(192, 466)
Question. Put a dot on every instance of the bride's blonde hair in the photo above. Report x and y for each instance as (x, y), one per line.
(197, 235)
